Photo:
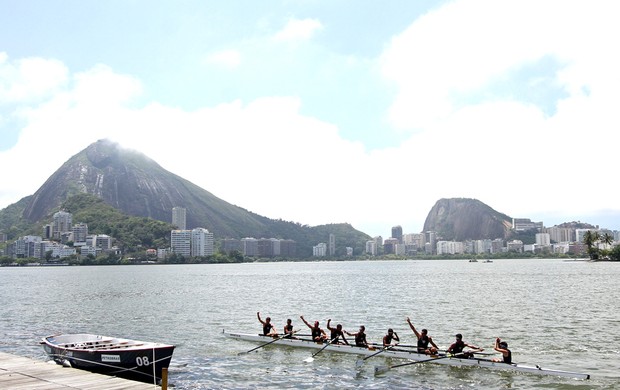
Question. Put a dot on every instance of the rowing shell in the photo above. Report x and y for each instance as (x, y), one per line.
(410, 355)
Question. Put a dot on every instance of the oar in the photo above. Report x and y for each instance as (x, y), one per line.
(359, 362)
(272, 341)
(384, 369)
(311, 358)
(443, 350)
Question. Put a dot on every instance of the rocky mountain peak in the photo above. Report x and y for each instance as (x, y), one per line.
(462, 219)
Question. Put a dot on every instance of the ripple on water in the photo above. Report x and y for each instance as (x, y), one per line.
(557, 314)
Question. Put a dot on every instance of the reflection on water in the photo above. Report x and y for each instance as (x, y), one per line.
(559, 314)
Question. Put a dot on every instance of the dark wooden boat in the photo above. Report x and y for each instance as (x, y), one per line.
(126, 358)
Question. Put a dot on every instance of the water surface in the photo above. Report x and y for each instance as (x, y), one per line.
(558, 314)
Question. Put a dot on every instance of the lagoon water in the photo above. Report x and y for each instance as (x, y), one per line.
(558, 314)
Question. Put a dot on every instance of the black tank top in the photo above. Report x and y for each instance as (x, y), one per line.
(267, 328)
(458, 346)
(360, 339)
(316, 333)
(508, 359)
(423, 343)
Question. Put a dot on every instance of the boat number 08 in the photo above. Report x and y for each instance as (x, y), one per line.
(142, 361)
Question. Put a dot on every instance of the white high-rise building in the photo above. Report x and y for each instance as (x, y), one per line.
(579, 233)
(332, 244)
(249, 246)
(80, 232)
(103, 241)
(561, 234)
(371, 247)
(179, 215)
(62, 222)
(449, 247)
(543, 239)
(201, 242)
(180, 241)
(319, 250)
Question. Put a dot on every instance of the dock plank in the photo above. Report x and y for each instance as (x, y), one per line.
(21, 373)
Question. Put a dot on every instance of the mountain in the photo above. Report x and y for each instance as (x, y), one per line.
(136, 185)
(460, 219)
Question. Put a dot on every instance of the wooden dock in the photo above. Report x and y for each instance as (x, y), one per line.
(20, 373)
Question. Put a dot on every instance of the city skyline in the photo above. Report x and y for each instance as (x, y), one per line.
(363, 115)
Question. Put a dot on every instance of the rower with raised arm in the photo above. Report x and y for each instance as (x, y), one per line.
(391, 335)
(360, 337)
(458, 346)
(336, 333)
(317, 333)
(423, 340)
(502, 347)
(268, 328)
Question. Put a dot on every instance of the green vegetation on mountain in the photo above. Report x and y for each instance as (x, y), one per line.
(132, 233)
(11, 221)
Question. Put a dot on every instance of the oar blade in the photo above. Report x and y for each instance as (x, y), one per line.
(379, 370)
(309, 359)
(359, 363)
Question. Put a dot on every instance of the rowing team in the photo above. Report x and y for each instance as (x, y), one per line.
(425, 343)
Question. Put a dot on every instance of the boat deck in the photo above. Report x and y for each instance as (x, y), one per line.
(95, 342)
(21, 373)
(104, 346)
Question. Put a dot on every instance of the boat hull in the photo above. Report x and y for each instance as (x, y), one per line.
(402, 353)
(131, 359)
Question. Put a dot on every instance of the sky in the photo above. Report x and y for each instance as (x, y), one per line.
(318, 112)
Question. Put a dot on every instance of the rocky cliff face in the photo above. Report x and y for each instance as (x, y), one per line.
(137, 185)
(462, 219)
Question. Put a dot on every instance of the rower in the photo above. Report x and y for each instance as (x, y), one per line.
(458, 346)
(317, 333)
(288, 329)
(423, 340)
(502, 347)
(391, 335)
(336, 333)
(268, 328)
(360, 338)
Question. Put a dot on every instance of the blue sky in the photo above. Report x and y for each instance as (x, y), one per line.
(360, 111)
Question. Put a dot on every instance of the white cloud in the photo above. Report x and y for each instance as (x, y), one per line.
(225, 58)
(299, 30)
(88, 108)
(465, 45)
(29, 79)
(501, 150)
(268, 157)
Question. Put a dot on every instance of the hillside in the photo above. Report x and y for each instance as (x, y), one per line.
(137, 186)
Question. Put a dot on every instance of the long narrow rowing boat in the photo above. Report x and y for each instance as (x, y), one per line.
(402, 353)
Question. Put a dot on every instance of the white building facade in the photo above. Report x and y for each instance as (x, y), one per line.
(319, 250)
(201, 242)
(179, 217)
(181, 242)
